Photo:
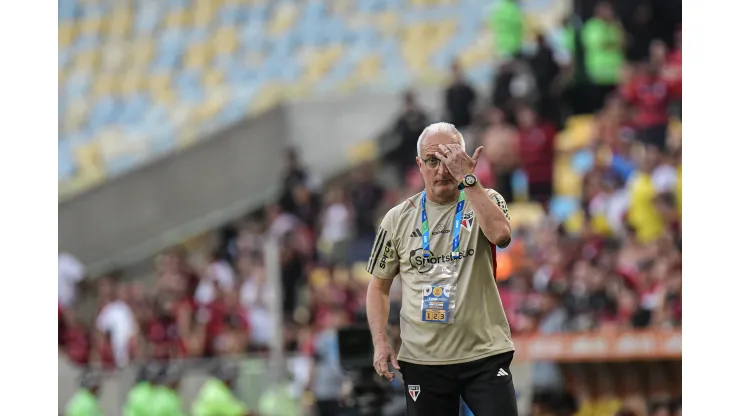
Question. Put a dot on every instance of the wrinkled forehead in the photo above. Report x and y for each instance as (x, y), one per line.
(431, 143)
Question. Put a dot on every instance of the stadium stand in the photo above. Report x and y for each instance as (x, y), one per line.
(140, 79)
(594, 271)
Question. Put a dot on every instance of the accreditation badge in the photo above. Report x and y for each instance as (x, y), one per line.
(438, 297)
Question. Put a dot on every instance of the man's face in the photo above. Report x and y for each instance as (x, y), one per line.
(437, 178)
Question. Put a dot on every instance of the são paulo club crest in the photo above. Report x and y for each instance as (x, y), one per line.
(467, 220)
(414, 391)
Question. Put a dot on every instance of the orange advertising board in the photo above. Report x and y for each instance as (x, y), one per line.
(593, 346)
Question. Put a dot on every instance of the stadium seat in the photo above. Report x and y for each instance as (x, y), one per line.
(176, 52)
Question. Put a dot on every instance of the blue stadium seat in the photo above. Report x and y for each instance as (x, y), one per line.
(361, 47)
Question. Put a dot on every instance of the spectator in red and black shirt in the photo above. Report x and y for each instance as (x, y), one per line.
(650, 94)
(226, 325)
(536, 142)
(75, 340)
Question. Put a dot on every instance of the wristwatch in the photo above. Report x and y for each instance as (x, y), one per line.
(468, 181)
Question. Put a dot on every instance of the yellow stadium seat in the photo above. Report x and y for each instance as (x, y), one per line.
(90, 26)
(269, 95)
(369, 68)
(89, 161)
(67, 32)
(213, 78)
(104, 84)
(163, 96)
(87, 60)
(113, 57)
(196, 56)
(120, 22)
(141, 52)
(527, 214)
(318, 63)
(203, 12)
(225, 41)
(177, 19)
(131, 83)
(476, 54)
(423, 3)
(214, 102)
(577, 134)
(388, 23)
(284, 18)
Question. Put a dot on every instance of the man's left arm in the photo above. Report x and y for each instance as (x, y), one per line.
(491, 210)
(492, 214)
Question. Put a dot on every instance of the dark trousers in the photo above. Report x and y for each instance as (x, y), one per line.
(485, 385)
(328, 408)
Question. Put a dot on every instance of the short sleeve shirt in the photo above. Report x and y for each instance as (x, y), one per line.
(480, 328)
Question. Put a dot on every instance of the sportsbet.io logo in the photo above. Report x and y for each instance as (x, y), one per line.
(423, 265)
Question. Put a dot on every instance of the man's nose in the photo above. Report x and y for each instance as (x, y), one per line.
(442, 170)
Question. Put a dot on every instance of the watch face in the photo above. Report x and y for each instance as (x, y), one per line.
(470, 180)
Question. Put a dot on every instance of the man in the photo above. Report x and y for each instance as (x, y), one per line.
(507, 25)
(459, 99)
(138, 401)
(165, 399)
(536, 143)
(85, 400)
(455, 339)
(216, 398)
(408, 126)
(603, 42)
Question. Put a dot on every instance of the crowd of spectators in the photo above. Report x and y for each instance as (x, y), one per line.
(620, 268)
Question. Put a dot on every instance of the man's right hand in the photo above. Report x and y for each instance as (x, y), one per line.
(384, 354)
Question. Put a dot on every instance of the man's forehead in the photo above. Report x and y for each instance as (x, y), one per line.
(431, 143)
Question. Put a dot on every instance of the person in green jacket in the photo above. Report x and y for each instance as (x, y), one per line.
(603, 44)
(216, 397)
(165, 398)
(85, 401)
(507, 25)
(139, 397)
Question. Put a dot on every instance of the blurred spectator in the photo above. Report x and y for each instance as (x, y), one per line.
(603, 41)
(308, 207)
(294, 175)
(71, 272)
(536, 143)
(336, 227)
(165, 336)
(366, 195)
(650, 94)
(216, 397)
(326, 377)
(546, 71)
(218, 276)
(459, 100)
(643, 214)
(409, 125)
(507, 26)
(257, 296)
(116, 320)
(165, 398)
(227, 325)
(500, 149)
(672, 71)
(75, 340)
(85, 400)
(514, 84)
(280, 222)
(641, 32)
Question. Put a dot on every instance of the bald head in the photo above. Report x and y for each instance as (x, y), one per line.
(439, 129)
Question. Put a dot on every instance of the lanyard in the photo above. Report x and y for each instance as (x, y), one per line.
(456, 226)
